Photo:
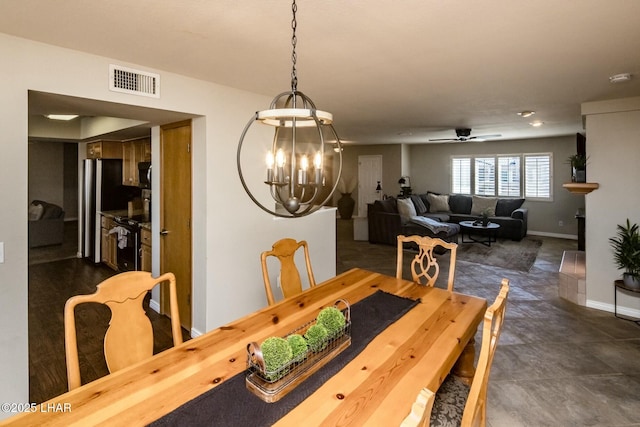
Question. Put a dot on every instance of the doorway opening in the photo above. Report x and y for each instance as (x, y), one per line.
(59, 277)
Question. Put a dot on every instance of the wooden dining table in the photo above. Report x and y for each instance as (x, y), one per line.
(378, 386)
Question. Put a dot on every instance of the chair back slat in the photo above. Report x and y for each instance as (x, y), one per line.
(129, 338)
(424, 266)
(290, 282)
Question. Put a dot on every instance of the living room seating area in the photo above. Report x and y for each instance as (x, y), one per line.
(438, 215)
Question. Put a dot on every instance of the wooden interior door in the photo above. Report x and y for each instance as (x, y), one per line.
(175, 214)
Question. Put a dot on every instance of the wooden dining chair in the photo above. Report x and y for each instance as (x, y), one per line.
(424, 266)
(129, 338)
(290, 282)
(455, 403)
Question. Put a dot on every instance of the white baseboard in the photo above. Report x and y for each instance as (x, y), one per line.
(625, 311)
(153, 304)
(556, 235)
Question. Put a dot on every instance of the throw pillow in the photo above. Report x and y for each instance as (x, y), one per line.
(419, 205)
(425, 200)
(505, 207)
(35, 212)
(438, 203)
(388, 205)
(479, 204)
(406, 208)
(460, 203)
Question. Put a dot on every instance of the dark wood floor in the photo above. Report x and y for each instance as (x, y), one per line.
(50, 285)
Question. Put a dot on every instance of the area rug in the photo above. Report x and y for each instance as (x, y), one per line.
(503, 253)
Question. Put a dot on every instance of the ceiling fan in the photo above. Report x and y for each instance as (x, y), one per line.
(464, 135)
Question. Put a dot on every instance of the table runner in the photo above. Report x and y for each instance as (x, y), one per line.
(231, 404)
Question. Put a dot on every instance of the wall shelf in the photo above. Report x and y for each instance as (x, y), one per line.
(581, 187)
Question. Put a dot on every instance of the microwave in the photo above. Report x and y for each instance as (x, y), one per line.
(144, 174)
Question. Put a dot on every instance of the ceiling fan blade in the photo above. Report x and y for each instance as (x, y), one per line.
(497, 135)
(443, 139)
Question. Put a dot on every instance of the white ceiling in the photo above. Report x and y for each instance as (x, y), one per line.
(390, 71)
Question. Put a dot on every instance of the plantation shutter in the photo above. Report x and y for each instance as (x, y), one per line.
(485, 176)
(509, 176)
(461, 175)
(537, 176)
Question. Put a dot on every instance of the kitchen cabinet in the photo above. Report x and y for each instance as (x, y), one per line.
(104, 150)
(133, 152)
(145, 249)
(108, 243)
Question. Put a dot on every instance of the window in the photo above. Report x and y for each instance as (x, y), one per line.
(503, 175)
(509, 176)
(485, 176)
(461, 175)
(537, 176)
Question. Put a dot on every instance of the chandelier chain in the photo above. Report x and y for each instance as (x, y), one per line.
(294, 41)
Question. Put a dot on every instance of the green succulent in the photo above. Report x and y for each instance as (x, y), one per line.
(332, 319)
(276, 353)
(298, 345)
(316, 337)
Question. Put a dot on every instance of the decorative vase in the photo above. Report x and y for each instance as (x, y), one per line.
(485, 221)
(346, 205)
(631, 281)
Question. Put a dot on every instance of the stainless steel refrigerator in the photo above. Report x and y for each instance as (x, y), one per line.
(102, 191)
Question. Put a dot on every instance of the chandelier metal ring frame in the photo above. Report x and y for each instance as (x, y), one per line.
(296, 196)
(293, 187)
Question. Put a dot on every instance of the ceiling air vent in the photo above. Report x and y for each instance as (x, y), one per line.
(127, 80)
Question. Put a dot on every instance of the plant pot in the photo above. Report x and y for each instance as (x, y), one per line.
(346, 205)
(580, 175)
(631, 281)
(485, 222)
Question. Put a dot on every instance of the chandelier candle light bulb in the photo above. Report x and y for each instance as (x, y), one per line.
(280, 160)
(270, 161)
(302, 173)
(317, 164)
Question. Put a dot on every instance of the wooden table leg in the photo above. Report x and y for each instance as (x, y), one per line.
(464, 367)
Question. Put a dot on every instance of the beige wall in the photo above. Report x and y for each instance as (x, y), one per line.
(229, 231)
(430, 170)
(613, 146)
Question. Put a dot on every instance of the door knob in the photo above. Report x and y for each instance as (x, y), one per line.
(164, 232)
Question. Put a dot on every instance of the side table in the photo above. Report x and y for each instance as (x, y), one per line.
(619, 284)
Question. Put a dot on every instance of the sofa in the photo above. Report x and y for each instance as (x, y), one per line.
(385, 224)
(421, 213)
(46, 224)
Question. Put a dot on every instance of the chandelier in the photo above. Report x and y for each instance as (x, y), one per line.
(297, 158)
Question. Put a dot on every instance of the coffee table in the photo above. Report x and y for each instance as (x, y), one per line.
(484, 234)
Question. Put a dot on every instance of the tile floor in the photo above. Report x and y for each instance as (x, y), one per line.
(557, 364)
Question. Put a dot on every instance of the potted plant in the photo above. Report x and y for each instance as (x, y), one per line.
(485, 216)
(626, 253)
(578, 164)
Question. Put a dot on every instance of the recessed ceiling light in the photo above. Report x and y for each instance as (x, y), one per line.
(526, 113)
(619, 78)
(61, 116)
(536, 123)
(405, 133)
